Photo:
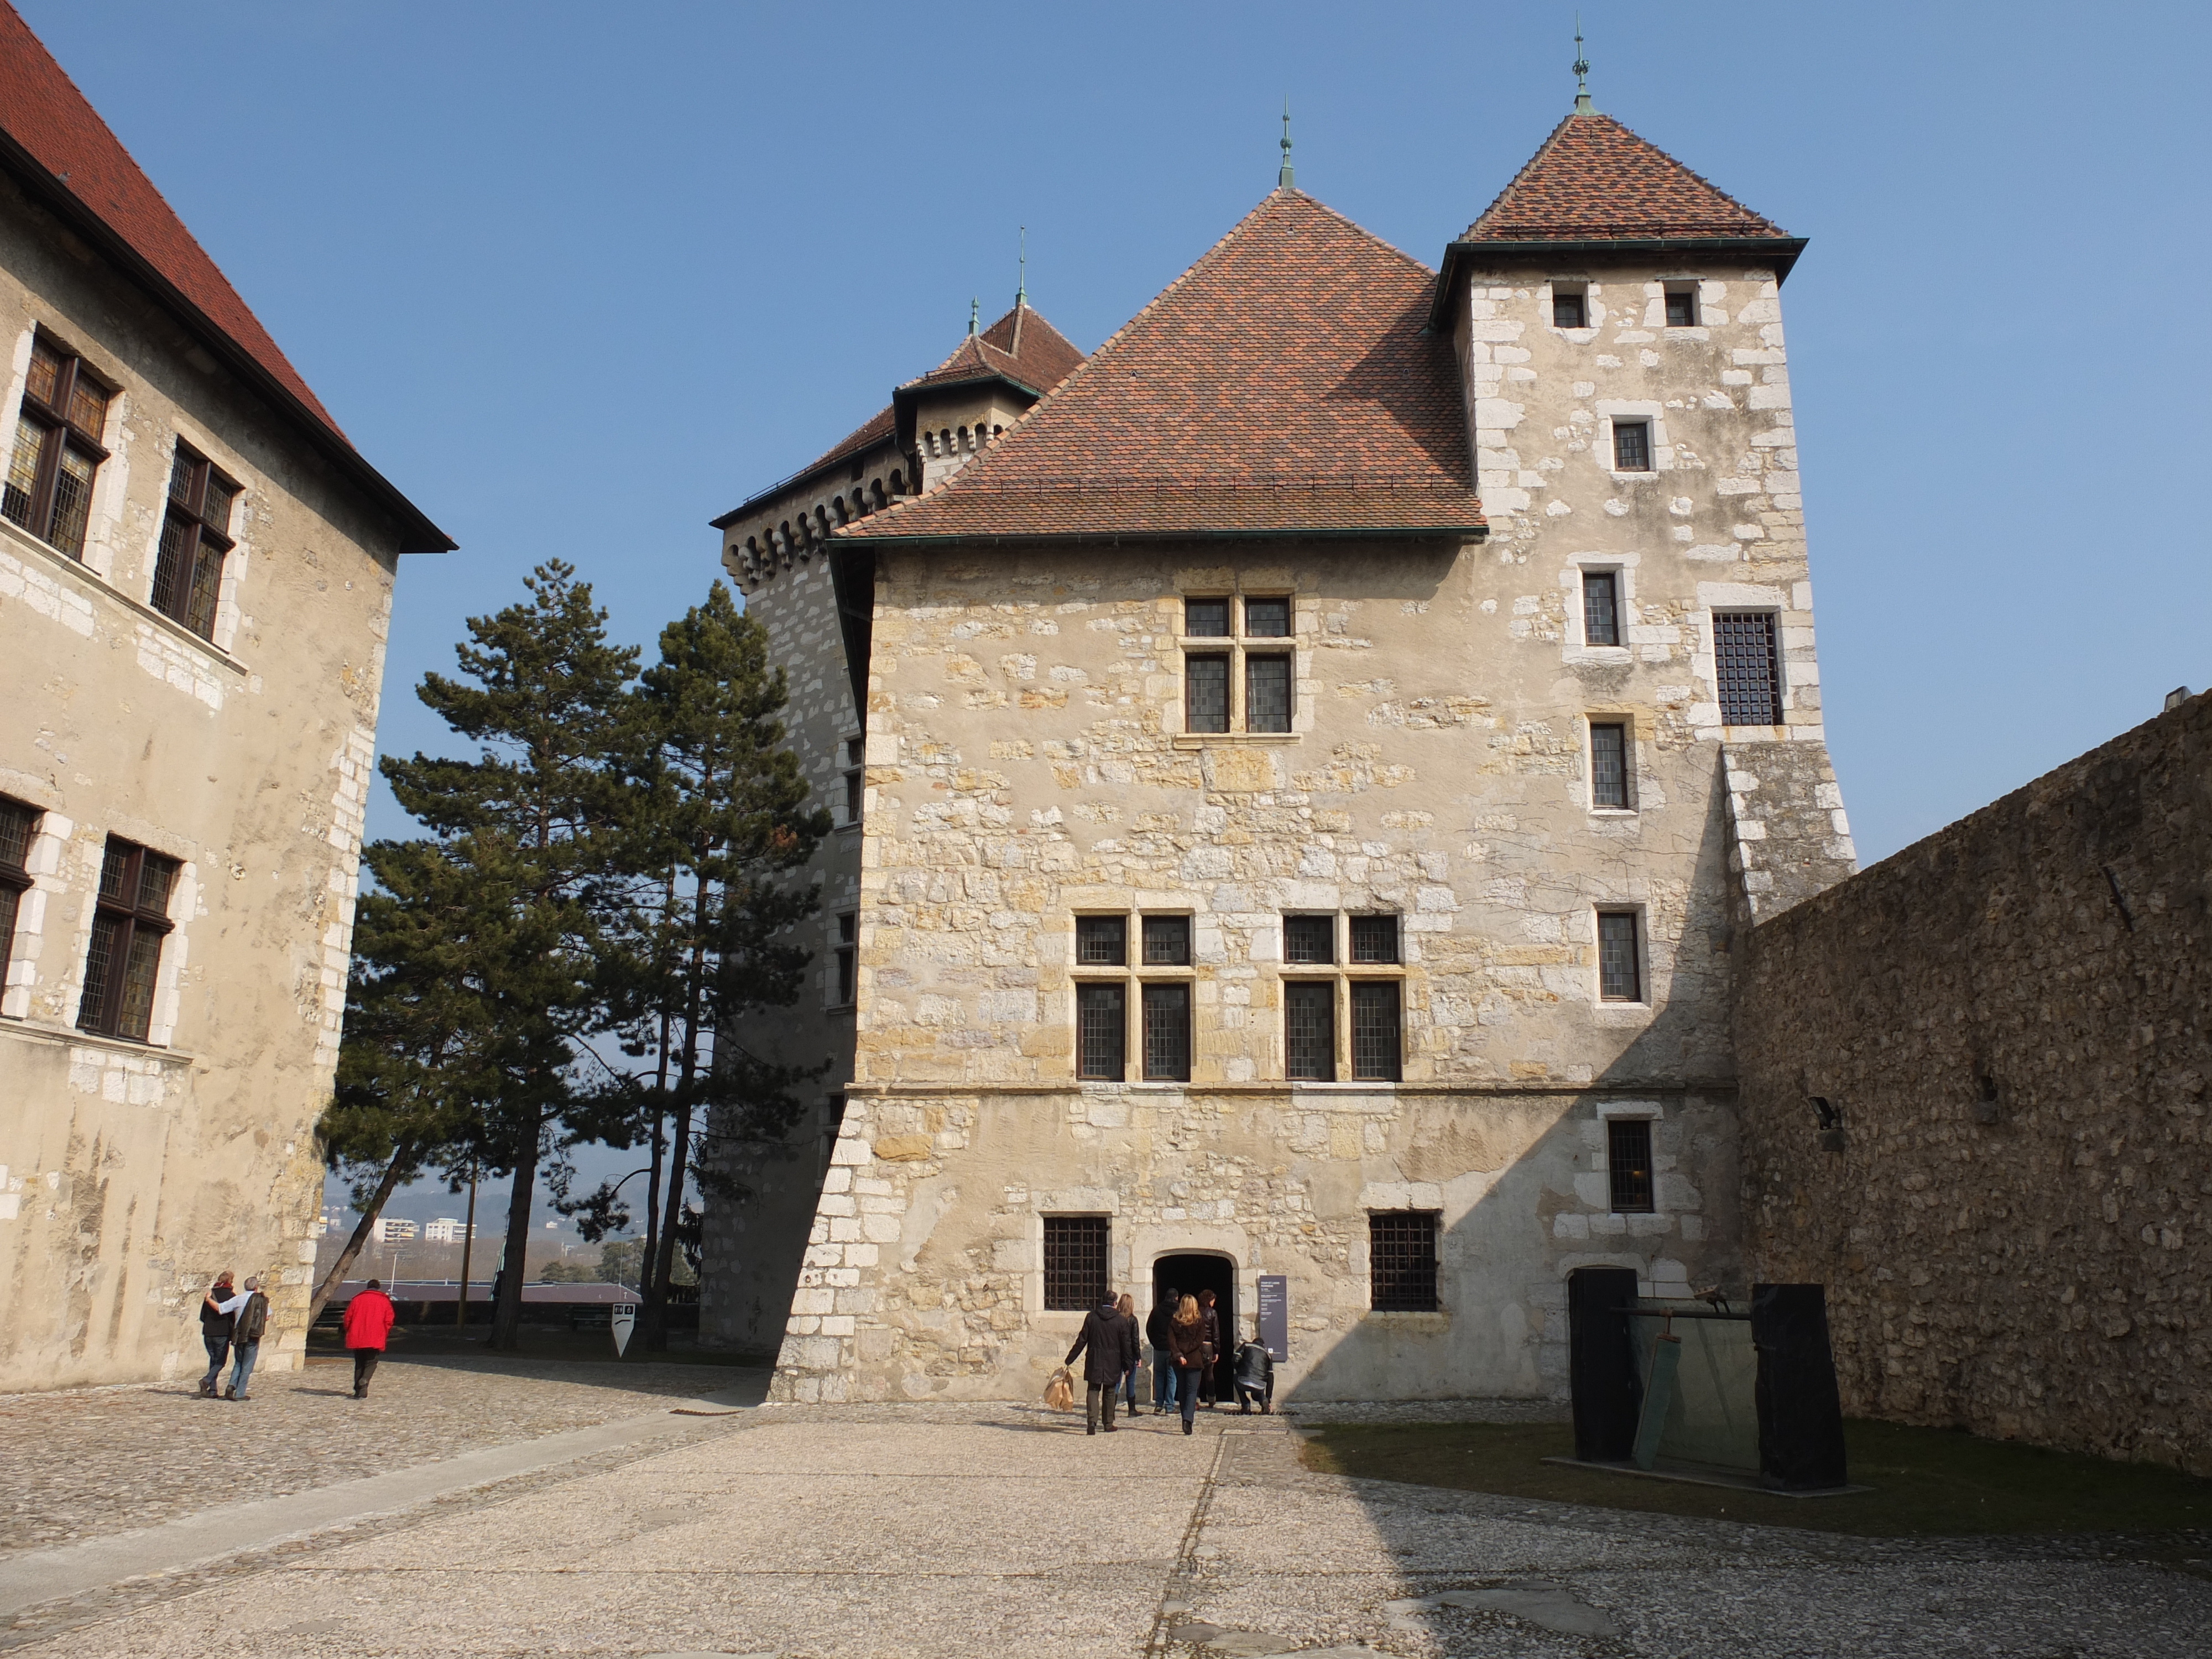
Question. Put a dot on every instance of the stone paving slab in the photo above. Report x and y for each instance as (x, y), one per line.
(83, 1463)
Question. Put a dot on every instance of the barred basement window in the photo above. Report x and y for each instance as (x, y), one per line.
(129, 920)
(1608, 764)
(1375, 938)
(1620, 972)
(1401, 1261)
(1075, 1261)
(1745, 664)
(1167, 1033)
(195, 536)
(1375, 1030)
(1102, 941)
(1266, 693)
(1167, 941)
(1310, 1030)
(1206, 689)
(848, 957)
(18, 822)
(1569, 308)
(1631, 445)
(1309, 940)
(1600, 608)
(1102, 1033)
(1628, 1165)
(58, 429)
(1681, 308)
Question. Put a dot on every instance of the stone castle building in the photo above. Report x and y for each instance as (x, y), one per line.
(196, 575)
(1304, 773)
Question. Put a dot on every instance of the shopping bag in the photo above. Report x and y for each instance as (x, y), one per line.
(1060, 1392)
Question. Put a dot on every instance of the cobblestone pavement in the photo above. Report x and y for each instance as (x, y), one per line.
(85, 1462)
(951, 1532)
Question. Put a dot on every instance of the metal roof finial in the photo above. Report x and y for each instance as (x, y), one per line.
(975, 314)
(1288, 177)
(1582, 105)
(1022, 287)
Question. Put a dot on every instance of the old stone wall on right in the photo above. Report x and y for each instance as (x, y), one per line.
(2008, 1023)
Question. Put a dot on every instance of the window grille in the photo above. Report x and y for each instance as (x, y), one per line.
(1206, 619)
(1267, 619)
(1744, 663)
(1375, 1037)
(1167, 941)
(1206, 689)
(1167, 1033)
(1608, 765)
(1102, 1033)
(1375, 938)
(1309, 940)
(1628, 1165)
(1620, 974)
(1310, 1030)
(1568, 311)
(1266, 693)
(848, 978)
(1401, 1261)
(195, 536)
(1631, 445)
(1102, 941)
(58, 429)
(131, 917)
(1600, 608)
(1681, 309)
(1075, 1261)
(17, 822)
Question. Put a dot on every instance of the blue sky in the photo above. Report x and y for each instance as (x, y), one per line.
(579, 277)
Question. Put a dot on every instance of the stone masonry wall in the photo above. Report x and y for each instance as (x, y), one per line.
(2010, 1018)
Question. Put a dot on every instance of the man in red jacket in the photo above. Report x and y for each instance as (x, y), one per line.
(369, 1319)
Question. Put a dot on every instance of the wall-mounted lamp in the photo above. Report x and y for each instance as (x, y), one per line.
(1831, 1121)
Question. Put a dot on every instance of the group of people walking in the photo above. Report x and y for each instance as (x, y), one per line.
(1185, 1334)
(232, 1321)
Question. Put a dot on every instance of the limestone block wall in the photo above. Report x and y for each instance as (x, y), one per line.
(2008, 1019)
(135, 1171)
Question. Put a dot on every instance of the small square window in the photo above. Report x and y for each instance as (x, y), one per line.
(1102, 1033)
(1402, 1257)
(1310, 941)
(1681, 308)
(1609, 763)
(1569, 308)
(1267, 619)
(1167, 1033)
(1375, 938)
(1075, 1261)
(1102, 941)
(1600, 608)
(1310, 1030)
(1167, 941)
(1206, 619)
(1631, 445)
(1628, 1165)
(1206, 689)
(1619, 970)
(1266, 693)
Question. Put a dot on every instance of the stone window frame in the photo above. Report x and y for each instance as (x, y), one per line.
(1632, 780)
(1340, 974)
(1132, 975)
(1593, 308)
(1609, 1112)
(1237, 646)
(1641, 1004)
(1623, 567)
(1028, 1252)
(1647, 410)
(43, 861)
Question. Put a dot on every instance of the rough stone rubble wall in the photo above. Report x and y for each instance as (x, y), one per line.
(2011, 1018)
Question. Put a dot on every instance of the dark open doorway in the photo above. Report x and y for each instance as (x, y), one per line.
(1189, 1274)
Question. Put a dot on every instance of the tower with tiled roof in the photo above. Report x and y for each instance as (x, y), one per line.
(1318, 760)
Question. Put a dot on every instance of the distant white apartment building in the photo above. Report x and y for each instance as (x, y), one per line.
(393, 1229)
(446, 1230)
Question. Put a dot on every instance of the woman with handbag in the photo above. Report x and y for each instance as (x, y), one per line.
(1187, 1343)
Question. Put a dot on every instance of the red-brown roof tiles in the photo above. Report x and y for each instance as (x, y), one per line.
(1040, 358)
(1282, 384)
(1594, 180)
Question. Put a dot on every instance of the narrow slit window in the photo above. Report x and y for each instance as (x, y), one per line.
(1681, 308)
(1102, 1033)
(1309, 940)
(1167, 1033)
(1401, 1256)
(1628, 1165)
(1631, 445)
(130, 917)
(1267, 694)
(1310, 1030)
(1375, 1056)
(1744, 663)
(1569, 308)
(1267, 619)
(847, 959)
(1620, 970)
(1167, 941)
(1609, 763)
(1206, 684)
(1600, 608)
(1102, 941)
(1375, 938)
(1205, 619)
(1075, 1261)
(18, 824)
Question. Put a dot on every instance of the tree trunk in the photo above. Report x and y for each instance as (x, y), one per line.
(401, 1166)
(507, 1315)
(653, 1316)
(468, 1251)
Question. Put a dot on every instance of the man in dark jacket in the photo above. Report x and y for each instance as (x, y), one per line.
(1256, 1378)
(1155, 1333)
(1109, 1344)
(247, 1324)
(218, 1314)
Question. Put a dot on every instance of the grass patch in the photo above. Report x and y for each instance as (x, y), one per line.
(1928, 1482)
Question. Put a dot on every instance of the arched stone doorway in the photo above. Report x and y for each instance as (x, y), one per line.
(1186, 1273)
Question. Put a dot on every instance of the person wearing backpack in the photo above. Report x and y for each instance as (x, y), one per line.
(247, 1324)
(218, 1316)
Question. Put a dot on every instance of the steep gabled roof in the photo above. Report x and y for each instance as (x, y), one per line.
(1594, 180)
(1282, 385)
(55, 141)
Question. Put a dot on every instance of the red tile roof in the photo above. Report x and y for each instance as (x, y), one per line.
(1283, 384)
(1594, 180)
(41, 109)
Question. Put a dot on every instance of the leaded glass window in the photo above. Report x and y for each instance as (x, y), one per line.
(1309, 940)
(58, 432)
(1310, 1030)
(1167, 1033)
(1600, 608)
(1608, 764)
(194, 538)
(1167, 941)
(1102, 941)
(1266, 693)
(129, 920)
(1267, 619)
(1206, 619)
(1205, 686)
(1375, 1030)
(1102, 1033)
(1631, 445)
(1375, 938)
(1620, 971)
(17, 824)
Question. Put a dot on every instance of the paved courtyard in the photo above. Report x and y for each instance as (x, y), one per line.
(1003, 1530)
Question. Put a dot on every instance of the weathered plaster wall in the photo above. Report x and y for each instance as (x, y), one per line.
(133, 1172)
(2010, 1017)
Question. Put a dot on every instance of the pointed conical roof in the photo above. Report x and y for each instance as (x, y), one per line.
(1020, 347)
(1283, 384)
(1594, 180)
